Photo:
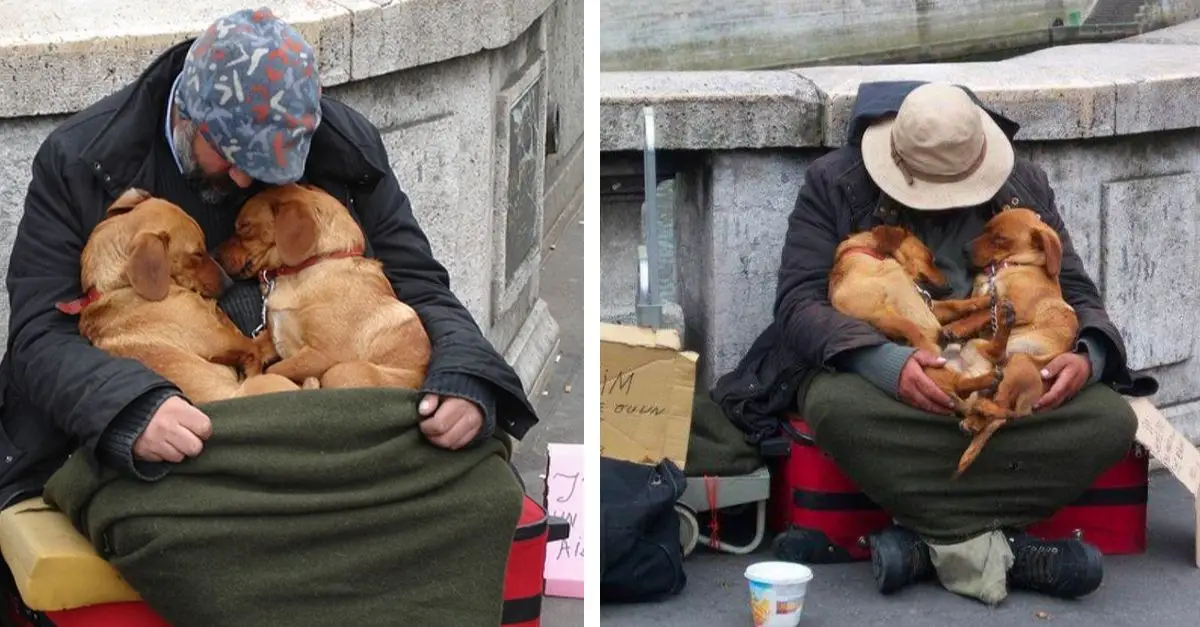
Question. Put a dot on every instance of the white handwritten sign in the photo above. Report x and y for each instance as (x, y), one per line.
(1171, 447)
(565, 499)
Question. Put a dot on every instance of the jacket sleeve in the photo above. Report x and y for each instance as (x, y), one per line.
(811, 327)
(463, 362)
(1080, 293)
(80, 387)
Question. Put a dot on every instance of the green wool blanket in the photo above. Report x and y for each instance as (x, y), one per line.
(311, 508)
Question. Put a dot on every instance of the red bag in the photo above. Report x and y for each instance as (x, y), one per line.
(811, 495)
(523, 584)
(1111, 515)
(524, 580)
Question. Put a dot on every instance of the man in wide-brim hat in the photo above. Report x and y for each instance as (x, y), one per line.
(931, 158)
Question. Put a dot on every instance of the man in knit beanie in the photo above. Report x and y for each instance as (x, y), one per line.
(246, 105)
(209, 123)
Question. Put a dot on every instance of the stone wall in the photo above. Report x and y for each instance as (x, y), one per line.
(459, 90)
(700, 35)
(1114, 130)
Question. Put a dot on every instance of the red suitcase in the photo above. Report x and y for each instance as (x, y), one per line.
(523, 584)
(1111, 515)
(810, 495)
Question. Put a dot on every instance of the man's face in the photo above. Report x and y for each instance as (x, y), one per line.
(206, 170)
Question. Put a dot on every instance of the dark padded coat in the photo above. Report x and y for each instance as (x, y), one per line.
(60, 393)
(837, 198)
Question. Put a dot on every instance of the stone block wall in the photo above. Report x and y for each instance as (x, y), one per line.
(1108, 122)
(754, 34)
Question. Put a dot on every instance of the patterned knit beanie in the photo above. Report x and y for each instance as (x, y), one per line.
(251, 86)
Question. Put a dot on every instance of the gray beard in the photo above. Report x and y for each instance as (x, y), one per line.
(212, 190)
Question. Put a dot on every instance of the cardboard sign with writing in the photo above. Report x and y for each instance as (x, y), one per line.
(565, 499)
(646, 388)
(1173, 449)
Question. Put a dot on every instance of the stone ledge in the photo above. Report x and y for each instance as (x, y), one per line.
(60, 56)
(1067, 92)
(701, 110)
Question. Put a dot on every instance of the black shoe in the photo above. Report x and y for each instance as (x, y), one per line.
(1060, 568)
(899, 558)
(808, 546)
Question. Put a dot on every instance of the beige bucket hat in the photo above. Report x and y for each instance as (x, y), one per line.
(941, 151)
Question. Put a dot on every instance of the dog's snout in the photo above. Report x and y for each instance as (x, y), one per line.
(225, 282)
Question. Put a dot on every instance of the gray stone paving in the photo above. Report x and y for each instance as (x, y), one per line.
(1157, 588)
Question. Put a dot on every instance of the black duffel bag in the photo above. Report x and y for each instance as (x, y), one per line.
(641, 557)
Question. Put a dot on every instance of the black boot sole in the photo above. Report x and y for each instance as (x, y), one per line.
(888, 564)
(1093, 576)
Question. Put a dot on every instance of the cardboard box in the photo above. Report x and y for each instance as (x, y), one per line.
(1173, 449)
(646, 388)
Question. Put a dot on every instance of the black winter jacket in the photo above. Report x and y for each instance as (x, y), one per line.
(838, 198)
(60, 393)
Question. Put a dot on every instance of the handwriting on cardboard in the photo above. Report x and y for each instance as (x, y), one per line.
(1167, 444)
(646, 390)
(565, 499)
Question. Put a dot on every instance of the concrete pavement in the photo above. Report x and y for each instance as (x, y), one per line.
(560, 407)
(1158, 588)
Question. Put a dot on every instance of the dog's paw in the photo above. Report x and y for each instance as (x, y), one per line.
(947, 336)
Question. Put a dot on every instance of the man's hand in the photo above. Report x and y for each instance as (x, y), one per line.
(449, 422)
(176, 431)
(918, 390)
(1069, 372)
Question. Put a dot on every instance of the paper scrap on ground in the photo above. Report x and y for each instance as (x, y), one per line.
(565, 499)
(1173, 449)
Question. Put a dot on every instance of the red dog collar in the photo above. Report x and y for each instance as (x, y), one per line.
(863, 250)
(267, 275)
(74, 307)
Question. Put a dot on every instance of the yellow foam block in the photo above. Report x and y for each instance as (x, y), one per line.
(54, 566)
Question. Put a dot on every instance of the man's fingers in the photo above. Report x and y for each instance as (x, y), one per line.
(186, 442)
(163, 451)
(1055, 366)
(936, 397)
(428, 404)
(925, 404)
(196, 422)
(1055, 394)
(927, 359)
(440, 423)
(461, 433)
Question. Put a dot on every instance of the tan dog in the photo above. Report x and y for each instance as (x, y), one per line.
(1021, 258)
(149, 288)
(331, 312)
(875, 278)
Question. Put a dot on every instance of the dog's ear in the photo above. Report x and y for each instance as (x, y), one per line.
(149, 268)
(295, 231)
(127, 201)
(1051, 247)
(888, 238)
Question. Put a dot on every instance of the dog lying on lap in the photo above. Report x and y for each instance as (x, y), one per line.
(1016, 298)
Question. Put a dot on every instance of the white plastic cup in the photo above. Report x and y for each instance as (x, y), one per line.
(777, 591)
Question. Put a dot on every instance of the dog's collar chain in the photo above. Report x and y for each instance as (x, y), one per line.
(266, 285)
(74, 307)
(924, 294)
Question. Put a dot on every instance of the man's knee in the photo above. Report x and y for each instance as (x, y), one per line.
(1111, 420)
